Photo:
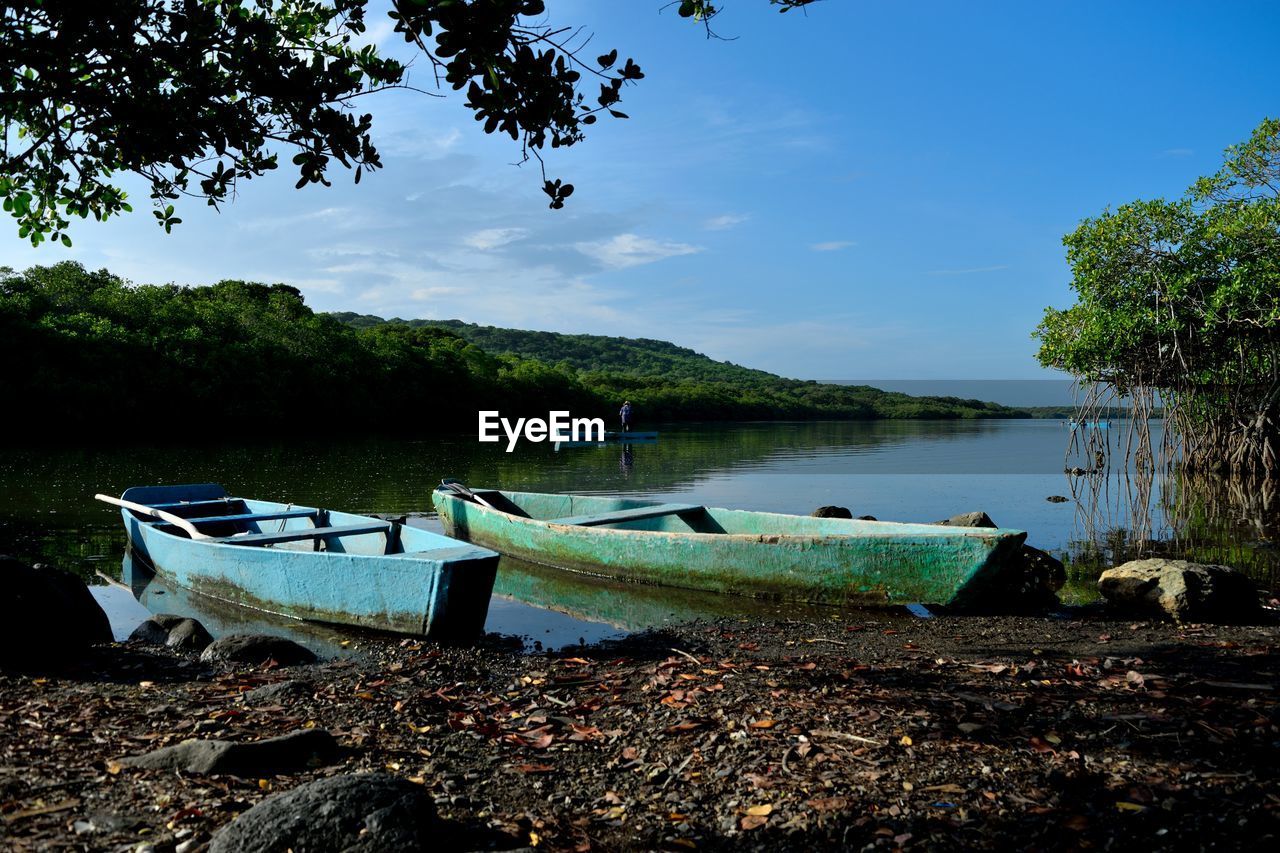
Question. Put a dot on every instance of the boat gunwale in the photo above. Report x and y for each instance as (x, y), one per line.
(157, 526)
(939, 531)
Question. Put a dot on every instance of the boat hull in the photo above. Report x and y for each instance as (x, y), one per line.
(829, 561)
(441, 591)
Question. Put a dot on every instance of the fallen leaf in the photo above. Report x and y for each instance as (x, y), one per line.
(949, 788)
(827, 804)
(761, 810)
(753, 821)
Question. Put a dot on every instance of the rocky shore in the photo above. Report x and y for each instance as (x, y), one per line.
(868, 729)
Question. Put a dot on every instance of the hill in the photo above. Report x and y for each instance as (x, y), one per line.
(670, 381)
(589, 353)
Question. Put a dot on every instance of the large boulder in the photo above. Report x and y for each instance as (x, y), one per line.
(1180, 590)
(285, 754)
(350, 813)
(47, 616)
(831, 512)
(257, 649)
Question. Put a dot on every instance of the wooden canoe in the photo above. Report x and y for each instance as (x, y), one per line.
(760, 554)
(311, 563)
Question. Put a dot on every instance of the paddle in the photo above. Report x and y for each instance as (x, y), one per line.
(155, 513)
(463, 492)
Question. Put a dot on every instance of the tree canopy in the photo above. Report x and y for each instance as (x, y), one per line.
(241, 355)
(1181, 299)
(196, 96)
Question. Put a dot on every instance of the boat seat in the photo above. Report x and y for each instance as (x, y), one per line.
(184, 504)
(621, 515)
(258, 516)
(307, 533)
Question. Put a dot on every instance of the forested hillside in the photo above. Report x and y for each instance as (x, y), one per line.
(678, 382)
(90, 353)
(599, 353)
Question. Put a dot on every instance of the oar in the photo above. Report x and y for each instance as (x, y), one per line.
(155, 513)
(462, 491)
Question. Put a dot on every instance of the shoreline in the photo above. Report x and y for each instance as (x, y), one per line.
(876, 729)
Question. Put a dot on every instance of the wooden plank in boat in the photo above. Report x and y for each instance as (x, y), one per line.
(309, 533)
(621, 515)
(257, 516)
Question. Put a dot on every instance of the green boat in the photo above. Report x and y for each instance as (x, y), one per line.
(758, 554)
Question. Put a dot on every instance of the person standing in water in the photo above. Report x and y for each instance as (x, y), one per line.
(625, 414)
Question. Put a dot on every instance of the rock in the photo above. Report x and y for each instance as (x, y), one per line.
(47, 616)
(1181, 590)
(169, 629)
(353, 813)
(831, 512)
(285, 754)
(257, 649)
(969, 519)
(1057, 499)
(280, 691)
(188, 635)
(867, 518)
(150, 632)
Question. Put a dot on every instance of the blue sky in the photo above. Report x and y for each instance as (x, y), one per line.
(868, 190)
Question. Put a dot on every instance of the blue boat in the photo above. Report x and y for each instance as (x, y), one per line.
(311, 563)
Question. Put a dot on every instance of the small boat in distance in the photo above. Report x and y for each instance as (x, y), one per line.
(1089, 424)
(759, 554)
(310, 563)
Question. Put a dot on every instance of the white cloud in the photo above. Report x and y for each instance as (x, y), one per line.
(629, 250)
(725, 221)
(833, 245)
(1177, 152)
(492, 238)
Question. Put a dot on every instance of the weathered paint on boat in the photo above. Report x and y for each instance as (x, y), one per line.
(824, 560)
(402, 579)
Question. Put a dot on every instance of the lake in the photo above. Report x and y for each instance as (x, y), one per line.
(893, 470)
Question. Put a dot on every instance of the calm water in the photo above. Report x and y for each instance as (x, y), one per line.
(899, 471)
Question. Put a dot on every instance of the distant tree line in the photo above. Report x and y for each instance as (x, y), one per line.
(89, 354)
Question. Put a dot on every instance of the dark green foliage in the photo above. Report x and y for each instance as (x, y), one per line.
(88, 354)
(670, 382)
(197, 95)
(1182, 299)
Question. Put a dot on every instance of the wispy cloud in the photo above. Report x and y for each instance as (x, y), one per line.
(969, 270)
(725, 221)
(492, 238)
(332, 217)
(1177, 152)
(833, 245)
(629, 250)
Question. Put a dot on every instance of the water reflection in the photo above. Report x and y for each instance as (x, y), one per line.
(157, 595)
(896, 470)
